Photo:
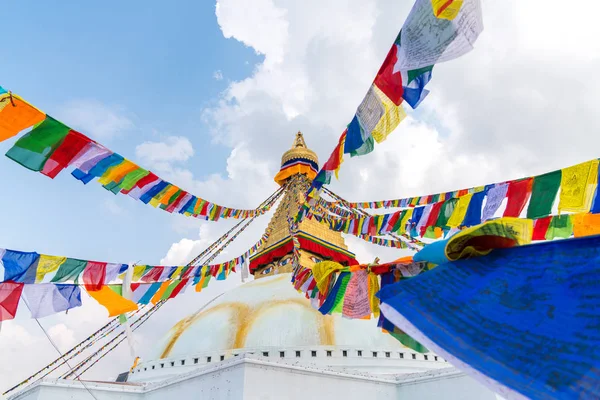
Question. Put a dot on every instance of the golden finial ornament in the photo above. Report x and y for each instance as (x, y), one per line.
(299, 150)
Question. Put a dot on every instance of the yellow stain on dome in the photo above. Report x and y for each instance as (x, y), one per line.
(243, 318)
(239, 310)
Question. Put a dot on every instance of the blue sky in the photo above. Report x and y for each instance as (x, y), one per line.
(150, 62)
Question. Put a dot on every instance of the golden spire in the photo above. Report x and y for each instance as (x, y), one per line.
(299, 178)
(299, 150)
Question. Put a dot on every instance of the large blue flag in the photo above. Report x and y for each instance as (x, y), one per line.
(525, 321)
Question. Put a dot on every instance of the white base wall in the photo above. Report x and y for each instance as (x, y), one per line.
(254, 377)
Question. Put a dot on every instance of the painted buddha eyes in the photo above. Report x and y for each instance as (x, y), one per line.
(285, 262)
(315, 259)
(267, 271)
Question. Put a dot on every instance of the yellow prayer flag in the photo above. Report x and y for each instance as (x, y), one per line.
(138, 272)
(405, 219)
(481, 239)
(321, 272)
(116, 173)
(373, 289)
(113, 302)
(460, 211)
(47, 265)
(577, 187)
(177, 272)
(168, 194)
(586, 225)
(16, 115)
(446, 9)
(391, 118)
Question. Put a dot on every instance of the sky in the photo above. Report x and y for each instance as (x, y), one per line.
(209, 95)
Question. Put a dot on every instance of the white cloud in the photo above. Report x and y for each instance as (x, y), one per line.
(62, 336)
(97, 120)
(160, 155)
(218, 75)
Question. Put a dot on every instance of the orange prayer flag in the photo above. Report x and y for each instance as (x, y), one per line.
(15, 115)
(586, 225)
(158, 295)
(113, 302)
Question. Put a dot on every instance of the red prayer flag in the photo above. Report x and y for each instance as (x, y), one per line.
(393, 219)
(388, 81)
(142, 182)
(64, 154)
(10, 293)
(518, 193)
(94, 275)
(178, 288)
(174, 205)
(541, 227)
(334, 159)
(153, 275)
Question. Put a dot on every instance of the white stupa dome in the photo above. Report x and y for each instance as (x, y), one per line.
(267, 317)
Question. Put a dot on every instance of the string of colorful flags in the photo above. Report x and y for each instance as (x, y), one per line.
(350, 291)
(576, 188)
(51, 147)
(52, 284)
(539, 186)
(427, 37)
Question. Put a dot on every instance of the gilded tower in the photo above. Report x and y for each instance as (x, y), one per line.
(299, 166)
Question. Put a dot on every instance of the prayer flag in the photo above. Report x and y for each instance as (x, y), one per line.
(586, 224)
(46, 267)
(561, 226)
(543, 193)
(473, 215)
(494, 198)
(460, 210)
(540, 228)
(16, 115)
(517, 194)
(539, 299)
(114, 303)
(16, 264)
(64, 154)
(35, 147)
(69, 270)
(94, 275)
(578, 184)
(10, 293)
(47, 298)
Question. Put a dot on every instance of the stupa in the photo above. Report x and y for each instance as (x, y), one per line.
(264, 340)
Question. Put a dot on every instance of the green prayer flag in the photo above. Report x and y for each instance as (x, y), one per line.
(543, 193)
(35, 147)
(408, 341)
(338, 304)
(132, 178)
(398, 223)
(446, 212)
(430, 233)
(118, 289)
(170, 289)
(174, 197)
(206, 280)
(122, 319)
(561, 226)
(69, 270)
(367, 147)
